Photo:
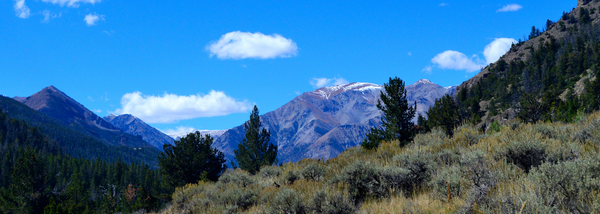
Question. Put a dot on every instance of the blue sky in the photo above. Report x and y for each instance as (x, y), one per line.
(202, 64)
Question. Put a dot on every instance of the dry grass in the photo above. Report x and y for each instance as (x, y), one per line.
(506, 188)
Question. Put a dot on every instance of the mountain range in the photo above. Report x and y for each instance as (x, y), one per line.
(316, 124)
(325, 122)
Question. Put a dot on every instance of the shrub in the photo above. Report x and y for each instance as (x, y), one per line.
(395, 178)
(447, 157)
(287, 201)
(271, 171)
(313, 171)
(363, 180)
(568, 185)
(449, 176)
(477, 169)
(290, 176)
(331, 202)
(526, 154)
(240, 197)
(237, 177)
(420, 167)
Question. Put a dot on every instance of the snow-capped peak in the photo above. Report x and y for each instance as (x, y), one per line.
(327, 92)
(423, 81)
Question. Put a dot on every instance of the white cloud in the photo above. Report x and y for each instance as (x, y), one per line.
(322, 82)
(171, 107)
(21, 9)
(242, 45)
(97, 111)
(71, 3)
(179, 130)
(91, 19)
(457, 61)
(497, 49)
(510, 8)
(443, 4)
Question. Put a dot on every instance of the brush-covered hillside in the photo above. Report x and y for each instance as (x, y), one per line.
(516, 168)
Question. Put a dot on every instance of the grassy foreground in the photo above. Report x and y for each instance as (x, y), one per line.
(519, 168)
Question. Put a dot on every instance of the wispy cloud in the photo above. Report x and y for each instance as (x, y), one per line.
(510, 8)
(92, 18)
(455, 60)
(49, 15)
(21, 9)
(242, 45)
(170, 108)
(322, 82)
(443, 4)
(71, 3)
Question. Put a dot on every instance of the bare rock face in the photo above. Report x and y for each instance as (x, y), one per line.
(65, 109)
(134, 126)
(325, 122)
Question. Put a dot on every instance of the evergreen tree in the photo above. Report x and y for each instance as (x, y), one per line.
(445, 113)
(190, 160)
(28, 184)
(256, 149)
(531, 110)
(397, 116)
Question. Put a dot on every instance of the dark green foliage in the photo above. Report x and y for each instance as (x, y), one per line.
(396, 118)
(287, 201)
(191, 158)
(584, 16)
(525, 154)
(531, 109)
(445, 113)
(290, 177)
(37, 177)
(256, 150)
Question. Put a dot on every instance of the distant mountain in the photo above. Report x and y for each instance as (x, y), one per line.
(329, 120)
(134, 126)
(63, 108)
(72, 139)
(213, 133)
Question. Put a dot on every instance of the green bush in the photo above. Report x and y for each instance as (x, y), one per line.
(420, 167)
(287, 201)
(331, 202)
(526, 154)
(291, 176)
(237, 177)
(447, 157)
(568, 185)
(395, 179)
(240, 197)
(363, 181)
(313, 171)
(448, 176)
(482, 179)
(271, 171)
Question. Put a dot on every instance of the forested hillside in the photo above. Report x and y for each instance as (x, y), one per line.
(73, 142)
(36, 176)
(549, 77)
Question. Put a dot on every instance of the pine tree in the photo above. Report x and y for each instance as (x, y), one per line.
(191, 159)
(396, 118)
(256, 149)
(531, 109)
(445, 113)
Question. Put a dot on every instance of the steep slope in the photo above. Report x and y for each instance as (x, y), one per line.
(327, 121)
(550, 64)
(63, 108)
(71, 140)
(134, 126)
